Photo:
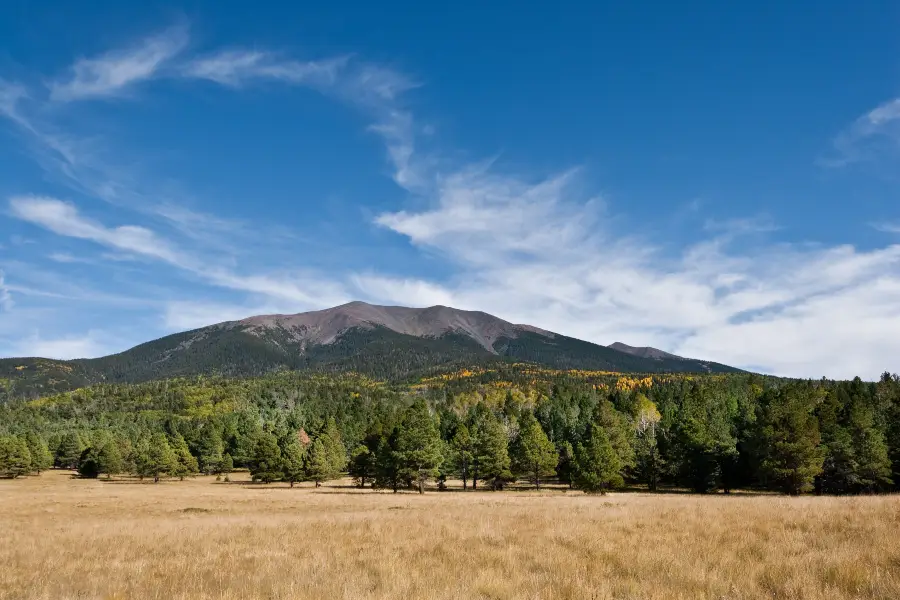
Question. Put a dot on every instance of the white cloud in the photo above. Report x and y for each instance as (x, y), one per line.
(537, 253)
(66, 348)
(64, 219)
(887, 227)
(6, 301)
(305, 290)
(110, 74)
(236, 67)
(10, 96)
(868, 137)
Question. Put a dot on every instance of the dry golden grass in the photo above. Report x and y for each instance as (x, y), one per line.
(69, 538)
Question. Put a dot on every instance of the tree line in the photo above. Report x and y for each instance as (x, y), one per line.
(589, 432)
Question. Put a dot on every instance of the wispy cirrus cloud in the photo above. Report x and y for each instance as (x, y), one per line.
(64, 219)
(6, 301)
(305, 290)
(110, 75)
(870, 136)
(887, 227)
(235, 68)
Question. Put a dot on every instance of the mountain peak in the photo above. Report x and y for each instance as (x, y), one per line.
(325, 326)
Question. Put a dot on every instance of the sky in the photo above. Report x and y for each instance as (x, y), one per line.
(717, 180)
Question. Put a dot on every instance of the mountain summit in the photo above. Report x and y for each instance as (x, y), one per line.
(325, 326)
(387, 342)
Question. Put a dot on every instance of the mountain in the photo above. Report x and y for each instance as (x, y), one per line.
(387, 342)
(645, 352)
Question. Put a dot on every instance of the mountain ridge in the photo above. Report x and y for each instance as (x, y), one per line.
(387, 342)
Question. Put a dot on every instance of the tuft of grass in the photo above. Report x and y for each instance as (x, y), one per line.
(89, 539)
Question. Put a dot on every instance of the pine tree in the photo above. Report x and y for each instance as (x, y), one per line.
(491, 459)
(15, 458)
(363, 461)
(89, 464)
(185, 462)
(266, 461)
(790, 434)
(334, 447)
(227, 465)
(155, 457)
(598, 466)
(565, 463)
(536, 455)
(68, 453)
(41, 459)
(419, 448)
(110, 460)
(209, 450)
(387, 471)
(462, 452)
(293, 454)
(318, 467)
(703, 440)
(873, 469)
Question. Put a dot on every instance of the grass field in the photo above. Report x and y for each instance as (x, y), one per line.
(70, 538)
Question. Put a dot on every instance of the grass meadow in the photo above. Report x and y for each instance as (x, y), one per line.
(90, 539)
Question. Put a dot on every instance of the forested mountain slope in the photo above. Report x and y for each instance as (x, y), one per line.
(386, 342)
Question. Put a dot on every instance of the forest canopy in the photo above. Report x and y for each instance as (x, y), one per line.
(594, 431)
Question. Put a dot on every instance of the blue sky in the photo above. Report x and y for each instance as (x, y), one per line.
(716, 181)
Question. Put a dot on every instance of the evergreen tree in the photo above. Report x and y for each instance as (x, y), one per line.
(857, 456)
(334, 448)
(419, 446)
(363, 462)
(873, 464)
(15, 458)
(227, 465)
(266, 462)
(565, 463)
(491, 459)
(109, 459)
(318, 466)
(89, 463)
(41, 459)
(598, 466)
(155, 457)
(387, 471)
(185, 462)
(462, 453)
(704, 441)
(790, 433)
(210, 449)
(68, 453)
(619, 430)
(536, 455)
(293, 454)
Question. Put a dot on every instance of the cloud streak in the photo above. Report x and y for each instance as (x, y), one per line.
(235, 68)
(871, 135)
(110, 75)
(6, 301)
(304, 290)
